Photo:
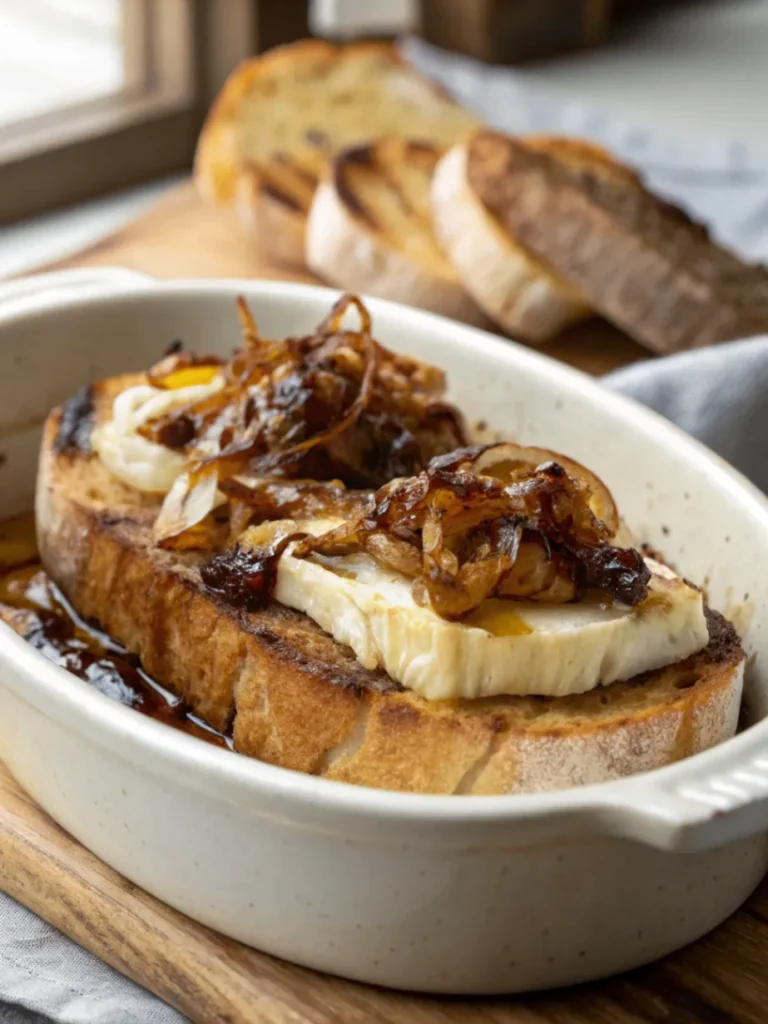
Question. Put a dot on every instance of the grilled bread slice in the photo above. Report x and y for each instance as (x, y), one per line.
(370, 230)
(293, 697)
(637, 260)
(520, 292)
(280, 117)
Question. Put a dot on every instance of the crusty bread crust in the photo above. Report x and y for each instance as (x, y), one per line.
(634, 258)
(369, 229)
(524, 296)
(266, 188)
(293, 697)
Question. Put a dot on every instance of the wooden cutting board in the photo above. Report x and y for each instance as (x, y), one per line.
(720, 980)
(180, 237)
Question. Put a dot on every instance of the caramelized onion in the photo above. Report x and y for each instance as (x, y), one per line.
(189, 501)
(504, 462)
(246, 577)
(334, 405)
(464, 535)
(268, 498)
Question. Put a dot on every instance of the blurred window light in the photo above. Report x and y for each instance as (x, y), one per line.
(58, 53)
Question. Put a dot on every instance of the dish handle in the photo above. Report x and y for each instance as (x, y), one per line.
(92, 279)
(701, 810)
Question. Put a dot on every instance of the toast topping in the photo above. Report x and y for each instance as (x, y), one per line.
(334, 407)
(494, 521)
(489, 573)
(516, 647)
(472, 572)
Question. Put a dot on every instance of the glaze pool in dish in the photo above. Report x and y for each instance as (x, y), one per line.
(409, 890)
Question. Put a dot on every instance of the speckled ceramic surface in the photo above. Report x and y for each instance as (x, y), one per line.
(448, 894)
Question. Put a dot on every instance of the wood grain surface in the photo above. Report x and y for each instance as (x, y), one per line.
(722, 979)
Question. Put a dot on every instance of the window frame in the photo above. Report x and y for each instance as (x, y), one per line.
(177, 55)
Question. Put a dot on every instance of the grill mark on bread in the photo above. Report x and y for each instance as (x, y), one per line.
(359, 156)
(285, 180)
(76, 423)
(283, 197)
(377, 159)
(400, 196)
(284, 160)
(422, 146)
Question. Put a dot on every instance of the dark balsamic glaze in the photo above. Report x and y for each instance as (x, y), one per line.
(55, 629)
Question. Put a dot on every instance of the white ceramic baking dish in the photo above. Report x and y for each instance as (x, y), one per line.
(446, 894)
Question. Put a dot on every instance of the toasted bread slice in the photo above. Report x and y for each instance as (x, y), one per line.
(280, 117)
(516, 289)
(294, 697)
(370, 230)
(637, 260)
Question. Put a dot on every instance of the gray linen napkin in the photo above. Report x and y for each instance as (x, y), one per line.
(716, 394)
(719, 395)
(44, 976)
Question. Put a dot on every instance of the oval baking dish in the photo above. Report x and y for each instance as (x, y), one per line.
(442, 894)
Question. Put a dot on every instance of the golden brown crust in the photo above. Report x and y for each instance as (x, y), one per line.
(634, 258)
(295, 698)
(272, 193)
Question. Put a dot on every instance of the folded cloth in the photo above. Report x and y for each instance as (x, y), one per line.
(44, 976)
(719, 395)
(715, 394)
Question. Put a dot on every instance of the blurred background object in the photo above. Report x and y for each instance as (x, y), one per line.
(351, 19)
(100, 96)
(507, 31)
(96, 95)
(54, 53)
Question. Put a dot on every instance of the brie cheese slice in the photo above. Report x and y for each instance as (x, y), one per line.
(505, 647)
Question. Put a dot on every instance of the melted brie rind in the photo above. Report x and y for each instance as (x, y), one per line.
(507, 647)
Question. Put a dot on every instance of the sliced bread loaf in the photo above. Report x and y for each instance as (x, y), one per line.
(280, 117)
(370, 231)
(637, 260)
(515, 288)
